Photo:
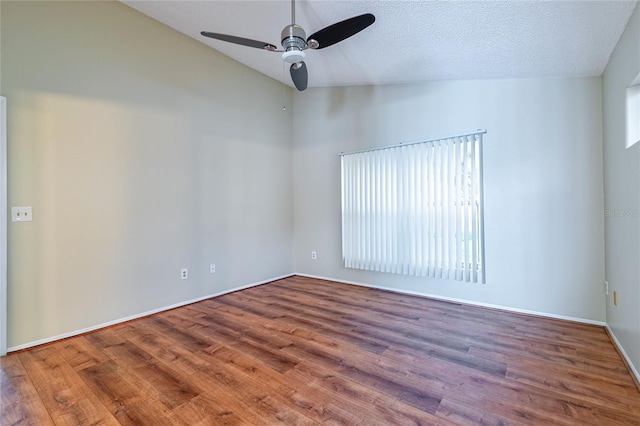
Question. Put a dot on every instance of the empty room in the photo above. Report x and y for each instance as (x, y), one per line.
(351, 212)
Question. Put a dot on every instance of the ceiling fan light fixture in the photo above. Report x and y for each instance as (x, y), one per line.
(293, 56)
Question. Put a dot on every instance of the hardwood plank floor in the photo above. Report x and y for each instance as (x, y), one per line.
(302, 351)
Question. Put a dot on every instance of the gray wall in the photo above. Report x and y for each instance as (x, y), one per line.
(622, 194)
(141, 152)
(543, 183)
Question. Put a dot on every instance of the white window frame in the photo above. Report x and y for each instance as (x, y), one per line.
(632, 113)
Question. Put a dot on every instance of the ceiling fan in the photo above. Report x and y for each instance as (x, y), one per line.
(295, 41)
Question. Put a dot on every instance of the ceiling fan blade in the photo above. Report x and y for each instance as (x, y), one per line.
(240, 40)
(299, 75)
(341, 30)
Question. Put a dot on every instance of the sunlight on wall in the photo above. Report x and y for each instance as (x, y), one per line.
(86, 169)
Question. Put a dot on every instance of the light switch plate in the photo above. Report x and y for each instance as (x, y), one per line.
(21, 214)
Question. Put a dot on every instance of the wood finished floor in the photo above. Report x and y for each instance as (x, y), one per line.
(303, 351)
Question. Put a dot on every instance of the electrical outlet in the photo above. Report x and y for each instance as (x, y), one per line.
(212, 268)
(184, 274)
(21, 214)
(606, 287)
(314, 256)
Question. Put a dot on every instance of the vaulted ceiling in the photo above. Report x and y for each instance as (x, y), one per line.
(414, 41)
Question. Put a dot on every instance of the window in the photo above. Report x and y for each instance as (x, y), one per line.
(415, 209)
(633, 113)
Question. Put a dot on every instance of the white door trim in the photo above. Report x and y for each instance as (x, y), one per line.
(3, 226)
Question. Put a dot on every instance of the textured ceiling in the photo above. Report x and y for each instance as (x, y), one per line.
(414, 41)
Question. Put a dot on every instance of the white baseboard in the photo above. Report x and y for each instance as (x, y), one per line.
(632, 367)
(463, 301)
(630, 364)
(136, 316)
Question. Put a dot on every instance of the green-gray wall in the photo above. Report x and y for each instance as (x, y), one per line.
(141, 151)
(542, 183)
(622, 194)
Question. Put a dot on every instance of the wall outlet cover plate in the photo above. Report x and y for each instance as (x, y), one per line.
(21, 214)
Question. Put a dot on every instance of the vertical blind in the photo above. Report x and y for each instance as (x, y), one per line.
(415, 209)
